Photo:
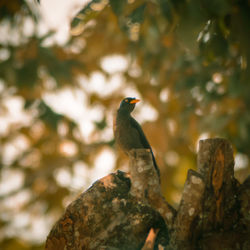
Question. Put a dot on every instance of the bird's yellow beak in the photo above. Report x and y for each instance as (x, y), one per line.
(134, 101)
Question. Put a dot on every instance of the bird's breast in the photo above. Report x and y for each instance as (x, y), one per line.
(126, 135)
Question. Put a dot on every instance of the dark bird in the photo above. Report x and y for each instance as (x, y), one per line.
(128, 132)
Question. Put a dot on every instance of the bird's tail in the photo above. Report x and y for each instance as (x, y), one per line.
(155, 164)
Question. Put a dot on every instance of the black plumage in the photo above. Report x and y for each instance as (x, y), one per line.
(128, 132)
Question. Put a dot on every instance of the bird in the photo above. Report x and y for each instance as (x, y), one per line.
(128, 132)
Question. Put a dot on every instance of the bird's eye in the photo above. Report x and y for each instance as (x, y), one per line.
(126, 100)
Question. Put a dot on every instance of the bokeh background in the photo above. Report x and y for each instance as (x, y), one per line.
(66, 65)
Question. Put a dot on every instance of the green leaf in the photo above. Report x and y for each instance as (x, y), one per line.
(27, 75)
(86, 14)
(49, 116)
(166, 9)
(118, 6)
(137, 16)
(100, 125)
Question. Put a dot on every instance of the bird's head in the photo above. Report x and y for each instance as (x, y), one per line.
(128, 104)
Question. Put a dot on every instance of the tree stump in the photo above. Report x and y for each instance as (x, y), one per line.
(189, 209)
(107, 216)
(122, 211)
(145, 185)
(210, 213)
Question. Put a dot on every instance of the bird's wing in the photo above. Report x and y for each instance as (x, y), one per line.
(142, 136)
(144, 141)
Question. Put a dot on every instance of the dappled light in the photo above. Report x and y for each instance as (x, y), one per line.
(66, 65)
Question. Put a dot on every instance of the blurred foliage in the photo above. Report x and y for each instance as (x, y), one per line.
(188, 59)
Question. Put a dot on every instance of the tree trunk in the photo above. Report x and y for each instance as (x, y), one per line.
(122, 211)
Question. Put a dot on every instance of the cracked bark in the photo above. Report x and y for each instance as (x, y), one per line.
(122, 211)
